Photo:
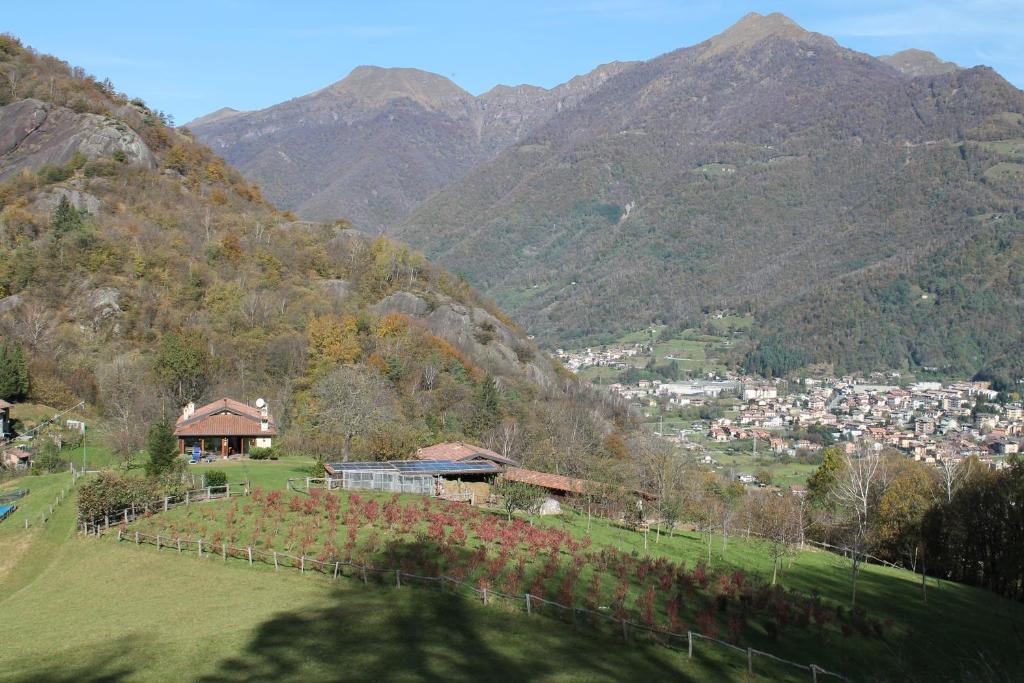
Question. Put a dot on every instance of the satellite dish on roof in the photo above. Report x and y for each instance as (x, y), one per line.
(260, 403)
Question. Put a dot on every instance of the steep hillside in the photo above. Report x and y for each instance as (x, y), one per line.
(770, 169)
(374, 145)
(138, 271)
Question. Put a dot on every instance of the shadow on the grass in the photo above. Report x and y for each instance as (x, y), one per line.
(430, 636)
(110, 663)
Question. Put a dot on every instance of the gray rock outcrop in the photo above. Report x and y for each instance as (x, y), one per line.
(34, 134)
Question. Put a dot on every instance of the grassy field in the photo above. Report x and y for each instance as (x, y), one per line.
(92, 609)
(86, 609)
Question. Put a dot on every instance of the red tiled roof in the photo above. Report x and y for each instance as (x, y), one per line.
(223, 424)
(553, 482)
(221, 405)
(225, 417)
(456, 450)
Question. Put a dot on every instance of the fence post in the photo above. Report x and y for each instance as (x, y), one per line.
(364, 573)
(750, 660)
(26, 522)
(249, 548)
(136, 538)
(485, 596)
(165, 502)
(224, 550)
(625, 631)
(125, 516)
(337, 565)
(302, 564)
(814, 673)
(208, 494)
(187, 501)
(689, 643)
(158, 541)
(398, 578)
(529, 608)
(118, 535)
(200, 547)
(275, 560)
(179, 545)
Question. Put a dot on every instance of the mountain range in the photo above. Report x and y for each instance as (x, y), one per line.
(868, 211)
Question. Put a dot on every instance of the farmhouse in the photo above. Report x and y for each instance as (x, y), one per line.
(225, 427)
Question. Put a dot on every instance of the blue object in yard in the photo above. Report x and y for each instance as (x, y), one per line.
(196, 454)
(6, 510)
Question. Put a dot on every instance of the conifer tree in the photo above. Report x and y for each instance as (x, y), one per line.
(65, 217)
(14, 375)
(161, 447)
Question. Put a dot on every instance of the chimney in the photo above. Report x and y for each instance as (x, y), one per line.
(264, 424)
(188, 410)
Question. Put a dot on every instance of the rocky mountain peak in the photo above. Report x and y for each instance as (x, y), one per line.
(755, 28)
(375, 86)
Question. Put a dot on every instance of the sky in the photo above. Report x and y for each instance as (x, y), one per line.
(188, 58)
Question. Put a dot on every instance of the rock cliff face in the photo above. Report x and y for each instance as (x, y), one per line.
(475, 333)
(34, 134)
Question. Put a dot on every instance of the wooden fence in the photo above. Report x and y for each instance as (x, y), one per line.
(102, 523)
(579, 617)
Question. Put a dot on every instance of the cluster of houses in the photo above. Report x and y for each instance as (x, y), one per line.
(929, 421)
(612, 357)
(683, 393)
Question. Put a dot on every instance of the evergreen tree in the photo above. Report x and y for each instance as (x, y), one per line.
(14, 375)
(487, 411)
(65, 217)
(162, 448)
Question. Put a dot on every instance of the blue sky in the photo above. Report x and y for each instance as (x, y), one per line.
(188, 58)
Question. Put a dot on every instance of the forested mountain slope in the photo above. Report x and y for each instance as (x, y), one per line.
(869, 218)
(138, 271)
(373, 145)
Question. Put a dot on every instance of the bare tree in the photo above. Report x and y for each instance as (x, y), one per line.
(13, 77)
(353, 400)
(662, 471)
(129, 407)
(34, 325)
(506, 438)
(855, 490)
(778, 518)
(954, 473)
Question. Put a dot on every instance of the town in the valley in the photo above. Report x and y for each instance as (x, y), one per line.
(755, 427)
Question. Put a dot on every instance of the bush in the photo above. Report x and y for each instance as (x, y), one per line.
(110, 492)
(262, 454)
(100, 168)
(54, 174)
(216, 478)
